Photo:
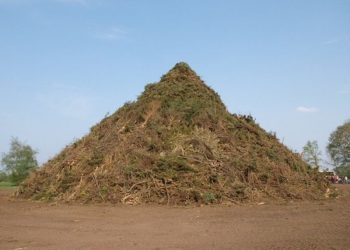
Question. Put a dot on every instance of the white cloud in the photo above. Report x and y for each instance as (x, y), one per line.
(336, 40)
(112, 34)
(332, 41)
(306, 109)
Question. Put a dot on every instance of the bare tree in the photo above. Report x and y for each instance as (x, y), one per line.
(312, 154)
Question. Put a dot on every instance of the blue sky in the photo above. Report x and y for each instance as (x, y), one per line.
(65, 63)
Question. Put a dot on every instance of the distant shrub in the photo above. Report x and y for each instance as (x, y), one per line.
(20, 161)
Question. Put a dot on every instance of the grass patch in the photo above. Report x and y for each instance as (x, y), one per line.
(7, 185)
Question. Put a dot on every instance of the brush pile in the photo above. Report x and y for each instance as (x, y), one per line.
(178, 145)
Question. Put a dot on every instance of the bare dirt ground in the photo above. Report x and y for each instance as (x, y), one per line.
(300, 225)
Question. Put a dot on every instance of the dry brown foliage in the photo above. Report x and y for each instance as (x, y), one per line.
(178, 145)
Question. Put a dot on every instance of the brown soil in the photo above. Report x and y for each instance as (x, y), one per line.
(300, 225)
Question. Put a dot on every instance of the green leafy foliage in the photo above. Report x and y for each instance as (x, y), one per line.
(339, 149)
(3, 176)
(209, 198)
(20, 161)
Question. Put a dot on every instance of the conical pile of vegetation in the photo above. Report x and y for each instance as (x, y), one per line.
(177, 144)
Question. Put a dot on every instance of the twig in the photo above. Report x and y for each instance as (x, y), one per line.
(167, 193)
(154, 181)
(136, 184)
(125, 198)
(98, 187)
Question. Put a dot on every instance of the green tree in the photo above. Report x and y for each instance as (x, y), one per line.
(339, 149)
(312, 154)
(19, 161)
(3, 176)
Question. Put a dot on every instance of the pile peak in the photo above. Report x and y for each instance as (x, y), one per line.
(182, 66)
(176, 145)
(181, 72)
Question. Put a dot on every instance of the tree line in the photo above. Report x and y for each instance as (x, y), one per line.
(338, 149)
